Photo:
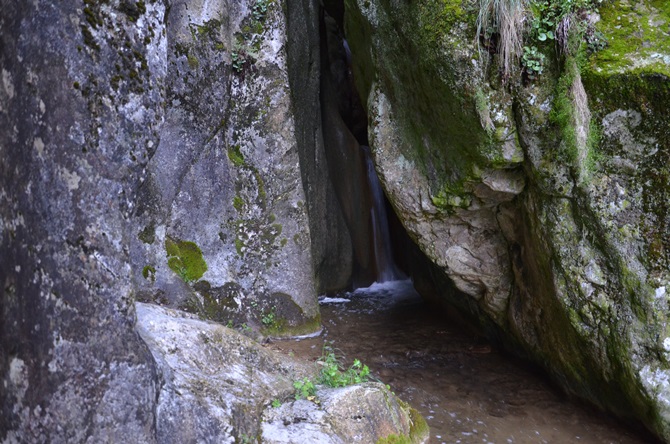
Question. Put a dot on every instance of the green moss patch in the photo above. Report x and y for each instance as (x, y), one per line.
(280, 316)
(638, 36)
(149, 272)
(235, 155)
(185, 259)
(148, 234)
(437, 17)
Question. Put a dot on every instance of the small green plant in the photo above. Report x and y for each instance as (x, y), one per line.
(276, 403)
(595, 41)
(237, 60)
(259, 10)
(546, 15)
(332, 375)
(269, 319)
(304, 389)
(560, 20)
(533, 61)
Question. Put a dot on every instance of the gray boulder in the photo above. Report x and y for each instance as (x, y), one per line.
(544, 201)
(364, 413)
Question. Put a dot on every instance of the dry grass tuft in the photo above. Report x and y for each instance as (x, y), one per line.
(505, 18)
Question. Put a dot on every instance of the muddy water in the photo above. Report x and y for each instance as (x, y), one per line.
(468, 391)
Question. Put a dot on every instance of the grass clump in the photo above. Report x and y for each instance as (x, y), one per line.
(517, 30)
(500, 25)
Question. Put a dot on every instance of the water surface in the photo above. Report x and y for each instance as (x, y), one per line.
(468, 391)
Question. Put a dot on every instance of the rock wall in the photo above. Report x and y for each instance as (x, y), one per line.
(331, 245)
(80, 108)
(544, 201)
(221, 220)
(148, 152)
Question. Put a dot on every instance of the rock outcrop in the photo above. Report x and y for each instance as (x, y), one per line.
(544, 201)
(221, 219)
(147, 152)
(217, 385)
(80, 109)
(331, 244)
(366, 413)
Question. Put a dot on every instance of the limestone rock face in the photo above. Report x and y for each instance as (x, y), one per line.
(544, 202)
(80, 108)
(221, 222)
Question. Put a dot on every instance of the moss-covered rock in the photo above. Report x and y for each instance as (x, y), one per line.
(544, 200)
(443, 138)
(368, 412)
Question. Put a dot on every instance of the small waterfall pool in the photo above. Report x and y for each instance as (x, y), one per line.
(468, 391)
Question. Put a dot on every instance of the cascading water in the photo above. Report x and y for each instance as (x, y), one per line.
(386, 268)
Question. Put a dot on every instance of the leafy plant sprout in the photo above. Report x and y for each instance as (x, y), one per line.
(532, 61)
(332, 375)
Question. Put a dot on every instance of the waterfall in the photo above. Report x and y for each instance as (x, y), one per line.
(386, 269)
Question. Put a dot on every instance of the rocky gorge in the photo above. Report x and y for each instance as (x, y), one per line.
(180, 179)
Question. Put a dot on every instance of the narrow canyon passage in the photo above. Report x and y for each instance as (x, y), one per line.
(468, 391)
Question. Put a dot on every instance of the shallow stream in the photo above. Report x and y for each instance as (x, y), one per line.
(468, 391)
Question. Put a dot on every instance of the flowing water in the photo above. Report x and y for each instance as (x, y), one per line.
(468, 391)
(386, 269)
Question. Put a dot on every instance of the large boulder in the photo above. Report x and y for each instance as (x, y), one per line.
(544, 201)
(221, 221)
(147, 152)
(215, 382)
(442, 137)
(364, 413)
(218, 385)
